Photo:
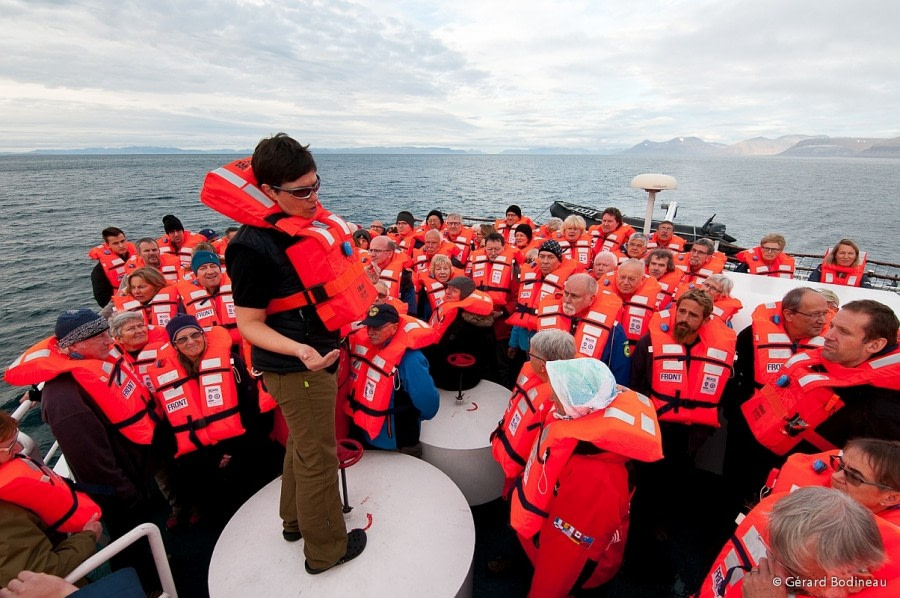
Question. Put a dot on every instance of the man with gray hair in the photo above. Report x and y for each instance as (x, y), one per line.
(529, 402)
(719, 288)
(700, 262)
(589, 314)
(636, 247)
(459, 235)
(814, 541)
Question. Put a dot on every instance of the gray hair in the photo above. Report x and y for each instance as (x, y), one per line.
(707, 243)
(554, 223)
(433, 232)
(826, 526)
(454, 215)
(585, 279)
(639, 237)
(723, 281)
(437, 260)
(794, 297)
(118, 321)
(554, 345)
(632, 264)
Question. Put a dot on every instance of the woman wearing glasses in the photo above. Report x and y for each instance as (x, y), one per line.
(210, 401)
(769, 259)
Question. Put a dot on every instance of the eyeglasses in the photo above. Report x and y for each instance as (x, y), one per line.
(10, 448)
(301, 192)
(712, 288)
(194, 336)
(853, 478)
(816, 315)
(699, 251)
(371, 250)
(771, 249)
(538, 357)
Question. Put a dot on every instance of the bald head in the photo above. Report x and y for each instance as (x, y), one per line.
(629, 276)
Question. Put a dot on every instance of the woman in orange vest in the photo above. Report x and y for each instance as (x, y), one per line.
(844, 264)
(146, 292)
(725, 306)
(431, 286)
(768, 259)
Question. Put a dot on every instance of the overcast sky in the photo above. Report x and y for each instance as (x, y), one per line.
(467, 74)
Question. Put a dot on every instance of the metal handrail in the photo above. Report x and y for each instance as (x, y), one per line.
(151, 532)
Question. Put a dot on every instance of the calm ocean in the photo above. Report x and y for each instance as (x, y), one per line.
(52, 208)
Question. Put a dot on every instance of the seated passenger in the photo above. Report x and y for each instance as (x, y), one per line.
(208, 296)
(178, 241)
(571, 505)
(604, 263)
(391, 392)
(665, 238)
(507, 226)
(703, 260)
(576, 243)
(660, 264)
(816, 541)
(725, 306)
(638, 293)
(407, 238)
(459, 235)
(434, 221)
(635, 248)
(525, 240)
(769, 259)
(146, 293)
(111, 257)
(844, 265)
(431, 285)
(612, 232)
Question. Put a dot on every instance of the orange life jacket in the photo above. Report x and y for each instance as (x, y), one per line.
(688, 383)
(533, 288)
(477, 303)
(613, 240)
(211, 310)
(48, 495)
(726, 307)
(579, 251)
(202, 410)
(435, 289)
(159, 311)
(421, 260)
(334, 279)
(113, 265)
(266, 400)
(463, 242)
(373, 371)
(788, 410)
(851, 277)
(169, 267)
(627, 429)
(668, 283)
(392, 274)
(185, 252)
(494, 277)
(782, 266)
(116, 389)
(744, 549)
(157, 337)
(714, 266)
(591, 330)
(675, 244)
(771, 343)
(521, 423)
(637, 309)
(509, 232)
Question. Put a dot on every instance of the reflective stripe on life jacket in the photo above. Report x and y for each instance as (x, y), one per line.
(332, 275)
(373, 371)
(687, 383)
(211, 310)
(851, 277)
(638, 308)
(771, 343)
(782, 266)
(579, 251)
(39, 489)
(203, 410)
(627, 429)
(113, 264)
(392, 274)
(159, 311)
(494, 277)
(185, 252)
(675, 244)
(591, 329)
(613, 240)
(668, 282)
(169, 267)
(784, 412)
(714, 266)
(114, 387)
(726, 307)
(533, 288)
(515, 433)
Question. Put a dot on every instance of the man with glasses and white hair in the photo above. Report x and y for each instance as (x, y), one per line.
(459, 235)
(813, 542)
(700, 262)
(393, 270)
(777, 331)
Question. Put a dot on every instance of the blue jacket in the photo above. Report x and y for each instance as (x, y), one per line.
(415, 381)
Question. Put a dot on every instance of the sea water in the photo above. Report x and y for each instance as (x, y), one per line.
(52, 208)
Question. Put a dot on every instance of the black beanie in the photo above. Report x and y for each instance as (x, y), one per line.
(525, 229)
(515, 210)
(407, 217)
(171, 223)
(436, 213)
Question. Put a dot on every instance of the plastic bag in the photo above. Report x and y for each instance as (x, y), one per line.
(582, 385)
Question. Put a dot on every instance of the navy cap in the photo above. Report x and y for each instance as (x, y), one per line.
(379, 315)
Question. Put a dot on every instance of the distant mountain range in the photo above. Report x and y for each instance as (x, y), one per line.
(808, 146)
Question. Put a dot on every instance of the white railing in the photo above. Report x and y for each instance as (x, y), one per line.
(151, 532)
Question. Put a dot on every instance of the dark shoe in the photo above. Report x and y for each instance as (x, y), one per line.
(356, 543)
(291, 536)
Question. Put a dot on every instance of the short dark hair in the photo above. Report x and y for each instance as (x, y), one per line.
(794, 298)
(495, 236)
(143, 240)
(231, 229)
(883, 456)
(615, 214)
(882, 322)
(110, 232)
(663, 254)
(279, 159)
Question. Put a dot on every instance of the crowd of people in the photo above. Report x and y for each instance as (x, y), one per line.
(617, 347)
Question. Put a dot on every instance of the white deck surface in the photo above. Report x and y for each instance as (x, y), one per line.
(457, 440)
(421, 539)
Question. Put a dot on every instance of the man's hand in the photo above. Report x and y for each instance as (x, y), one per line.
(94, 526)
(313, 361)
(762, 583)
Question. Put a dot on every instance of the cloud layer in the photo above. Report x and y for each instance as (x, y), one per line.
(467, 74)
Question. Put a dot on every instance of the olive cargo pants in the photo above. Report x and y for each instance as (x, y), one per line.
(310, 500)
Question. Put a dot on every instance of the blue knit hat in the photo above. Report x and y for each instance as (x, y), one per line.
(78, 325)
(204, 257)
(179, 323)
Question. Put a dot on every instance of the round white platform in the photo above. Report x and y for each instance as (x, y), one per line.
(421, 539)
(457, 441)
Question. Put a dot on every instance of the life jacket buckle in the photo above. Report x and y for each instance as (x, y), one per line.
(795, 426)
